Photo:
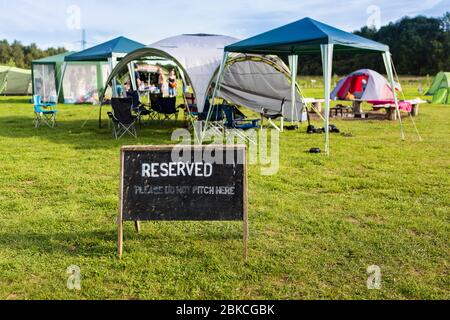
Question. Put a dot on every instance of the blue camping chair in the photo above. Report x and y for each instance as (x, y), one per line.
(235, 119)
(45, 113)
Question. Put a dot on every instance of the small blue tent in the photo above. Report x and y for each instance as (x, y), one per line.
(308, 36)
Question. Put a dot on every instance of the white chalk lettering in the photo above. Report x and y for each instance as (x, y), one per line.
(146, 170)
(176, 169)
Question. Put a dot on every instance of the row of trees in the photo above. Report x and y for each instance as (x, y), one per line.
(420, 46)
(16, 54)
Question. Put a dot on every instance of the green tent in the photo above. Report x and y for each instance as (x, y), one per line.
(80, 82)
(47, 76)
(440, 89)
(15, 81)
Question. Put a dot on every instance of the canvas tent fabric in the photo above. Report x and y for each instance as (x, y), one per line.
(377, 87)
(260, 83)
(308, 36)
(116, 47)
(440, 89)
(15, 81)
(47, 76)
(198, 56)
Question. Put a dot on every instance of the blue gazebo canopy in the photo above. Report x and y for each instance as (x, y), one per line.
(308, 36)
(304, 36)
(119, 46)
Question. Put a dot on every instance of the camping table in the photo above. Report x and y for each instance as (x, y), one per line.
(147, 93)
(357, 106)
(391, 111)
(416, 106)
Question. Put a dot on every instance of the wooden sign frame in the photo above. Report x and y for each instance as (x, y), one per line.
(120, 220)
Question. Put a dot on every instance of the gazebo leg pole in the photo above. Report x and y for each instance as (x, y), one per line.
(327, 61)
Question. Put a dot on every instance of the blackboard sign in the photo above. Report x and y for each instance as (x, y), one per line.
(189, 183)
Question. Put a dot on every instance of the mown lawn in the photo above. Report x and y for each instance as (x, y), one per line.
(315, 227)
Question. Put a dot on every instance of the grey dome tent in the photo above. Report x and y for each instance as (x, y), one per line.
(308, 36)
(260, 83)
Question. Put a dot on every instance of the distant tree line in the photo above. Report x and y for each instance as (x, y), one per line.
(16, 54)
(419, 46)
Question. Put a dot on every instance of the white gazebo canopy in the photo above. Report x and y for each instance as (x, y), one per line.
(197, 55)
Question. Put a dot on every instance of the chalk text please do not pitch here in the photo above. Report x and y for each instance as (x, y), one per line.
(185, 190)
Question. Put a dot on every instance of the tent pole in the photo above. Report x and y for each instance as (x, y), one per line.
(132, 77)
(293, 60)
(390, 73)
(60, 84)
(327, 61)
(112, 63)
(216, 90)
(44, 85)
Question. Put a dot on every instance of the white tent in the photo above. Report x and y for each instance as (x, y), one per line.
(365, 85)
(258, 82)
(197, 55)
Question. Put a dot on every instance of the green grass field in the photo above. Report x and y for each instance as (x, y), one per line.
(315, 227)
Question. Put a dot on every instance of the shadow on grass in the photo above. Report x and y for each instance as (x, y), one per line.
(71, 243)
(85, 134)
(16, 100)
(104, 243)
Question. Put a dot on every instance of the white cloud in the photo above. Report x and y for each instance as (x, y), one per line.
(44, 21)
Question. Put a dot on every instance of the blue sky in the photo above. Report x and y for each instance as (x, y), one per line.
(57, 23)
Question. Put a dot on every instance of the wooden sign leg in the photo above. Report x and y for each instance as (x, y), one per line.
(137, 225)
(246, 223)
(246, 235)
(120, 238)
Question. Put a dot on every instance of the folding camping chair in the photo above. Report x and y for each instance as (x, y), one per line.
(216, 120)
(154, 105)
(235, 119)
(139, 108)
(121, 117)
(271, 117)
(167, 108)
(45, 113)
(238, 123)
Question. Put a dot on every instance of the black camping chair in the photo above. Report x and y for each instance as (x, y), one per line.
(123, 120)
(156, 110)
(271, 117)
(167, 108)
(139, 108)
